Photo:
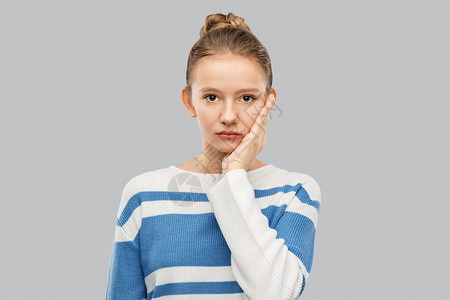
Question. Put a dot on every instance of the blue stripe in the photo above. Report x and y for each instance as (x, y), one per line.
(132, 204)
(289, 225)
(136, 199)
(301, 194)
(177, 231)
(126, 280)
(183, 240)
(189, 288)
(298, 233)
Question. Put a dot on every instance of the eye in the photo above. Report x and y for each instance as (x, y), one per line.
(250, 97)
(207, 96)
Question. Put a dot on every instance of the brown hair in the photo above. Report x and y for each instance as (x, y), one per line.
(224, 34)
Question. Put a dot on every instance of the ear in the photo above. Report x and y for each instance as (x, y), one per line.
(274, 93)
(187, 101)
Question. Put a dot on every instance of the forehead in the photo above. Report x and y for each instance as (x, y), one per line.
(228, 72)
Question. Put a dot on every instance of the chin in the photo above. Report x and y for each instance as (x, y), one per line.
(224, 146)
(225, 149)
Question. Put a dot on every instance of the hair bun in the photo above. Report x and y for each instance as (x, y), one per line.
(218, 20)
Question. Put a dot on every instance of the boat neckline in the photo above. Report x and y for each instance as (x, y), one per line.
(255, 171)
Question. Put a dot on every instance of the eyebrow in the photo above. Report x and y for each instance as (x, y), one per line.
(207, 88)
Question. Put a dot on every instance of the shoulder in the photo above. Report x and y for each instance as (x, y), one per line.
(308, 190)
(304, 181)
(279, 177)
(148, 181)
(156, 180)
(310, 184)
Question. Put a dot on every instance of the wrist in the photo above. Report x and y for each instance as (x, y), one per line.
(231, 168)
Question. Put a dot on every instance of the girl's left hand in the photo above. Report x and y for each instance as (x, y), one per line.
(252, 143)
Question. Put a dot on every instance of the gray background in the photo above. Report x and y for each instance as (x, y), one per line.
(90, 97)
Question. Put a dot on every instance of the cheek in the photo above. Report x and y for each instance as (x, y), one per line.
(247, 120)
(206, 123)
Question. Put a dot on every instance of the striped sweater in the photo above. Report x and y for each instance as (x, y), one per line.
(239, 235)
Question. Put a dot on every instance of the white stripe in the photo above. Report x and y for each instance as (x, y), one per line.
(188, 274)
(132, 187)
(120, 235)
(311, 186)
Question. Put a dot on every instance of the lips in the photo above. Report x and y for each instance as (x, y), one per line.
(228, 136)
(229, 133)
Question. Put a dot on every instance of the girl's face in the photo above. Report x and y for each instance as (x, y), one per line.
(228, 92)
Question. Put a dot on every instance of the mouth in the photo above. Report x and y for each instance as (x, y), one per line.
(229, 132)
(229, 135)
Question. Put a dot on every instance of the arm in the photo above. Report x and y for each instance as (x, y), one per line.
(267, 263)
(126, 278)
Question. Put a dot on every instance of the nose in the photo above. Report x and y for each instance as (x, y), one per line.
(229, 114)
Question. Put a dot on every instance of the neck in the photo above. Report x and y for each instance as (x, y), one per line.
(209, 161)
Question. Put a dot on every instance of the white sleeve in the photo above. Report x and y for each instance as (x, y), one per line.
(263, 265)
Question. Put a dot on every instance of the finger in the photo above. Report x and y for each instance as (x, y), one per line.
(263, 140)
(264, 121)
(258, 124)
(261, 126)
(268, 107)
(269, 101)
(260, 142)
(264, 125)
(261, 113)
